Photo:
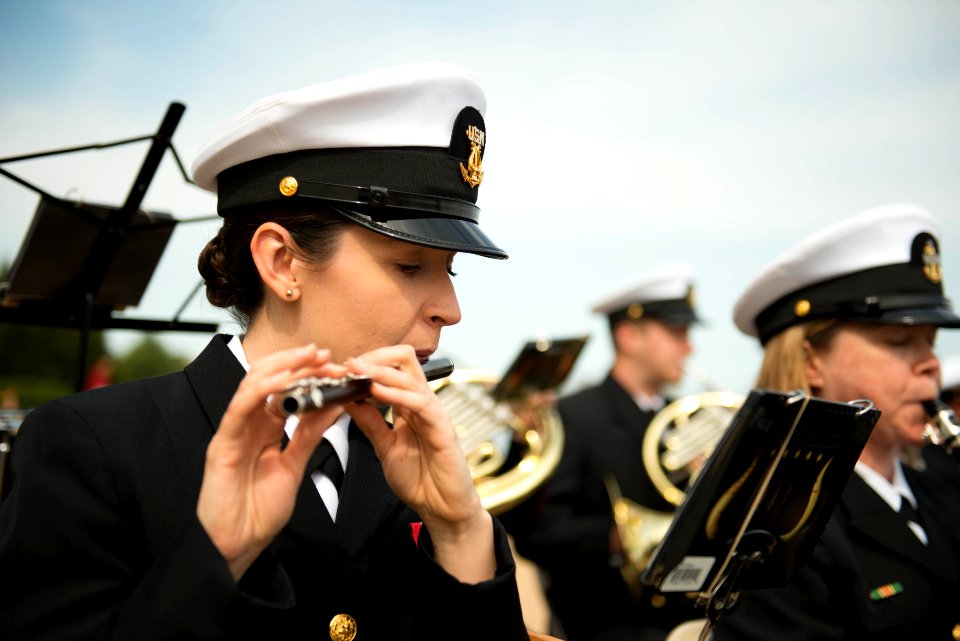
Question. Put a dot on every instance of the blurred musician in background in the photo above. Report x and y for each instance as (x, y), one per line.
(572, 535)
(852, 313)
(188, 506)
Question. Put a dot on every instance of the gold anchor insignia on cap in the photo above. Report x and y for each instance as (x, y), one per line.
(473, 172)
(343, 627)
(802, 307)
(932, 268)
(635, 311)
(289, 186)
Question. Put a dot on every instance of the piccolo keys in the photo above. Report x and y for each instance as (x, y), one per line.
(313, 393)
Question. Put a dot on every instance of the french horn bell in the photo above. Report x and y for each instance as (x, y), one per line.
(508, 426)
(676, 443)
(511, 447)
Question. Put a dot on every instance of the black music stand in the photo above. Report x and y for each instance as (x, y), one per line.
(82, 262)
(759, 505)
(541, 365)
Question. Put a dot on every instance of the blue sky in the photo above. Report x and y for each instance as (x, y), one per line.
(621, 135)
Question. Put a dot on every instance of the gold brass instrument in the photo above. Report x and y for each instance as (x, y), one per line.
(525, 433)
(676, 443)
(508, 426)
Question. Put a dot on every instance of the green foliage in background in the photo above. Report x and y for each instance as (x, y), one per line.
(147, 358)
(39, 363)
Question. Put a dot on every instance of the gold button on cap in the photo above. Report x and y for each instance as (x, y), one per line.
(343, 627)
(289, 186)
(802, 307)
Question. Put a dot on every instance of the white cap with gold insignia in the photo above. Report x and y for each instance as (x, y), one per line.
(882, 266)
(398, 151)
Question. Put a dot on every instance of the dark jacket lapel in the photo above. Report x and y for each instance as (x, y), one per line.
(873, 518)
(935, 504)
(624, 411)
(213, 378)
(215, 375)
(366, 499)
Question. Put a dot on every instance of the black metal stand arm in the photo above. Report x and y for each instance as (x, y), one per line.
(79, 302)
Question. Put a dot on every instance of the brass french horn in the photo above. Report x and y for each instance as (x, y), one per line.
(508, 426)
(675, 445)
(511, 447)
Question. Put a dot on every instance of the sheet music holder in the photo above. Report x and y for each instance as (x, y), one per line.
(759, 505)
(81, 262)
(51, 264)
(541, 365)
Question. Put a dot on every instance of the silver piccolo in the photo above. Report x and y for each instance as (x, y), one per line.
(313, 393)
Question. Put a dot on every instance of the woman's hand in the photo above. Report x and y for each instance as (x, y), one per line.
(249, 485)
(423, 461)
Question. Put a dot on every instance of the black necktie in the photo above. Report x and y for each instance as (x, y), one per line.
(909, 512)
(324, 459)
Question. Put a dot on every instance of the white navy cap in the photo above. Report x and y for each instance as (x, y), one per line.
(398, 151)
(882, 265)
(664, 293)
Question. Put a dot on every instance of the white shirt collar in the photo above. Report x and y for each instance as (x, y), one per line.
(653, 403)
(889, 492)
(892, 493)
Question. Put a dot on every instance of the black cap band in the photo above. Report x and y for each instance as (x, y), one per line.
(674, 312)
(412, 172)
(892, 294)
(377, 197)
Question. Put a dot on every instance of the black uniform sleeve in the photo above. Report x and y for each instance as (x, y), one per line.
(450, 609)
(71, 558)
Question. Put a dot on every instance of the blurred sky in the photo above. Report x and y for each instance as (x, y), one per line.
(621, 135)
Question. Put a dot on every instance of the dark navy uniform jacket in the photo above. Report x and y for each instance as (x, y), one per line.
(99, 537)
(870, 577)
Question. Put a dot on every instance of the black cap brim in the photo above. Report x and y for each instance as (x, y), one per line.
(936, 316)
(453, 234)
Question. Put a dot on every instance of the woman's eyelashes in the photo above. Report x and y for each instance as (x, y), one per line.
(409, 268)
(413, 268)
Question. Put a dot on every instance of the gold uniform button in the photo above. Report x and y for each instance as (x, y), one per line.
(343, 627)
(658, 601)
(289, 186)
(956, 632)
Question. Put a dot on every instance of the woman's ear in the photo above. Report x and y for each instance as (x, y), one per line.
(813, 367)
(274, 261)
